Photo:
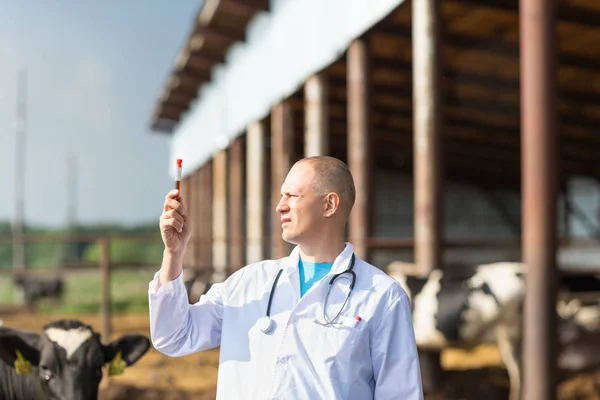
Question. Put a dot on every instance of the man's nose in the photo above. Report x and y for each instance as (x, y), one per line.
(281, 206)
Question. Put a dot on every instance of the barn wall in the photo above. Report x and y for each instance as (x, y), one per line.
(468, 214)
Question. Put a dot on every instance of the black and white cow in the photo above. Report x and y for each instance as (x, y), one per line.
(196, 282)
(485, 306)
(35, 288)
(64, 362)
(464, 311)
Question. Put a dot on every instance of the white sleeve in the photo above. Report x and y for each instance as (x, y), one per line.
(178, 328)
(394, 355)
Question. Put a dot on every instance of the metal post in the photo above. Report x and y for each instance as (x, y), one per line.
(20, 154)
(539, 163)
(359, 144)
(105, 284)
(427, 136)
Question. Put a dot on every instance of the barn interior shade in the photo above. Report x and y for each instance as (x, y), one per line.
(283, 47)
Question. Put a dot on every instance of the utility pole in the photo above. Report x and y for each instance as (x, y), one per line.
(18, 243)
(70, 245)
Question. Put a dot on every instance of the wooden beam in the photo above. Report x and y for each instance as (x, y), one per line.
(255, 192)
(236, 193)
(360, 146)
(207, 57)
(164, 125)
(221, 36)
(188, 196)
(219, 216)
(206, 239)
(492, 46)
(316, 134)
(167, 111)
(192, 79)
(564, 11)
(178, 99)
(243, 7)
(175, 87)
(486, 130)
(507, 109)
(199, 63)
(492, 81)
(194, 203)
(282, 154)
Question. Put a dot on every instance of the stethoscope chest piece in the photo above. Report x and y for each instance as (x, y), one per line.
(265, 324)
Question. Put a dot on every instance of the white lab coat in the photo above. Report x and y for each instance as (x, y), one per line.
(298, 359)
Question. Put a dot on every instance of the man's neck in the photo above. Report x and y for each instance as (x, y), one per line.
(322, 252)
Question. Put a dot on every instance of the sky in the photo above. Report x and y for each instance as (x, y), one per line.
(94, 72)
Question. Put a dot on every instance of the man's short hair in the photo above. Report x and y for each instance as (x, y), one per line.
(333, 175)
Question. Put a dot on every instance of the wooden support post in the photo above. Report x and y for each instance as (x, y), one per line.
(255, 192)
(360, 158)
(206, 199)
(316, 135)
(104, 244)
(220, 216)
(193, 201)
(539, 140)
(282, 149)
(189, 257)
(236, 187)
(427, 147)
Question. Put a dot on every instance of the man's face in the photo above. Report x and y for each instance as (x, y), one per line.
(300, 209)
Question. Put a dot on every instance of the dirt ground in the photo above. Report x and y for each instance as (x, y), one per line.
(471, 375)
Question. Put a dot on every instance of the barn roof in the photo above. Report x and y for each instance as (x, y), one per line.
(480, 83)
(217, 26)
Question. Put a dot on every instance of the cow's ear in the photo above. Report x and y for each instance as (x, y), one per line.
(128, 348)
(18, 349)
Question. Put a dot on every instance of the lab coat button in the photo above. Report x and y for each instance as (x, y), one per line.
(282, 360)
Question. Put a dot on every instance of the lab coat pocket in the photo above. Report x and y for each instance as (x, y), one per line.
(332, 346)
(339, 334)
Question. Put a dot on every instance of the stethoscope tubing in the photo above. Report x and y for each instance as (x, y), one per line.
(349, 270)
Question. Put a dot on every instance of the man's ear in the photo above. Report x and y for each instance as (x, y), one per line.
(25, 343)
(130, 347)
(332, 204)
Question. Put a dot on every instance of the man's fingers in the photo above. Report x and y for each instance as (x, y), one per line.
(174, 214)
(172, 222)
(170, 201)
(172, 204)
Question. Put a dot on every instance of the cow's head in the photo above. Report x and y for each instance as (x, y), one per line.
(68, 357)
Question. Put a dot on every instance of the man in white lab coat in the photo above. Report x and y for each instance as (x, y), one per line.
(285, 330)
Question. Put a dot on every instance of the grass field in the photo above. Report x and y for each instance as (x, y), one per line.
(129, 288)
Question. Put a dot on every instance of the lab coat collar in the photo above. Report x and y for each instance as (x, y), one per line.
(340, 264)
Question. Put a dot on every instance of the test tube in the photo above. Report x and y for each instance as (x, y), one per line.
(178, 181)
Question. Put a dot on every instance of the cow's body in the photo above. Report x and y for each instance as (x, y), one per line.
(35, 288)
(484, 306)
(196, 282)
(65, 361)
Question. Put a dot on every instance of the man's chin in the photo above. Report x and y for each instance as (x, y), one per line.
(291, 239)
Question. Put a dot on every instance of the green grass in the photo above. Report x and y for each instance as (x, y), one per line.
(129, 292)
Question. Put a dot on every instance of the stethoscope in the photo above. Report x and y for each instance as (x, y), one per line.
(266, 323)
